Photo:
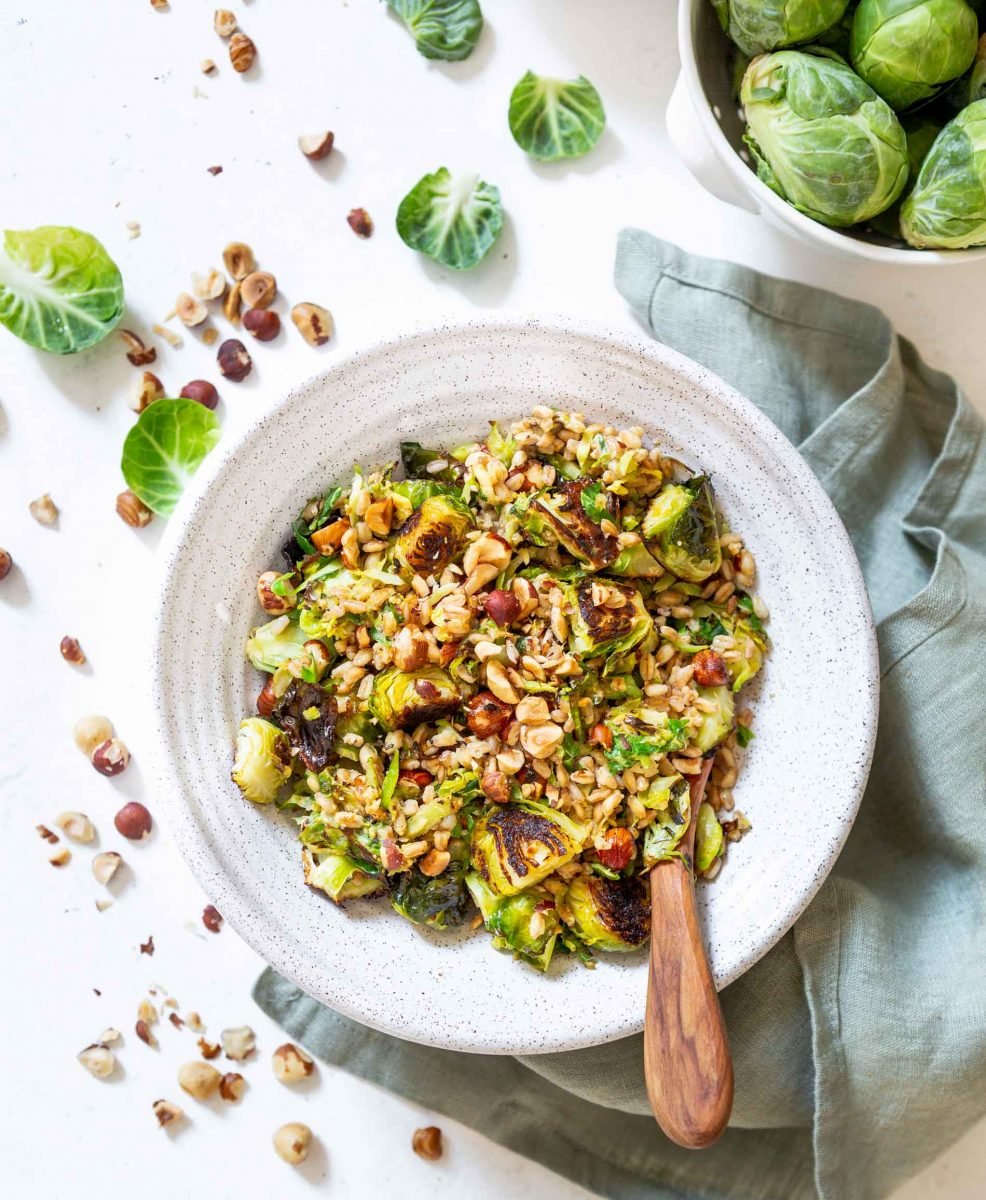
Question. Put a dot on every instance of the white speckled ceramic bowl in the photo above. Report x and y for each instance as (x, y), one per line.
(804, 774)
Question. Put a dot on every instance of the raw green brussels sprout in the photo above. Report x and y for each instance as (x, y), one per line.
(433, 535)
(452, 219)
(821, 138)
(570, 517)
(906, 50)
(716, 725)
(441, 901)
(404, 699)
(759, 25)
(263, 760)
(609, 914)
(681, 520)
(662, 836)
(709, 840)
(605, 630)
(509, 919)
(517, 845)
(555, 118)
(270, 646)
(339, 872)
(947, 208)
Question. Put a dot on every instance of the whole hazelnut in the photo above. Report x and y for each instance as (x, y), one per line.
(232, 1086)
(89, 732)
(133, 511)
(258, 289)
(166, 1112)
(110, 757)
(710, 669)
(266, 699)
(234, 360)
(242, 52)
(199, 1079)
(427, 1143)
(71, 651)
(133, 821)
(212, 918)
(502, 607)
(263, 323)
(313, 322)
(495, 787)
(238, 260)
(105, 866)
(98, 1060)
(202, 391)
(486, 715)
(292, 1142)
(6, 564)
(292, 1064)
(316, 146)
(190, 310)
(44, 510)
(360, 222)
(270, 601)
(149, 388)
(76, 825)
(224, 22)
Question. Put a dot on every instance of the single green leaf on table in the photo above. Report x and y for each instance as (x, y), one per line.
(443, 29)
(165, 448)
(554, 118)
(59, 289)
(452, 219)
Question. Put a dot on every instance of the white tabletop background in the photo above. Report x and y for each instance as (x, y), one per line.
(107, 119)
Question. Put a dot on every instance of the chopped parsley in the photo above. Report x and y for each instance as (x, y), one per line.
(329, 502)
(744, 735)
(594, 502)
(745, 606)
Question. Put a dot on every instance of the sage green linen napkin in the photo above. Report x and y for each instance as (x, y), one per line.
(860, 1039)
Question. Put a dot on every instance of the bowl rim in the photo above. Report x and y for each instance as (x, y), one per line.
(181, 824)
(833, 239)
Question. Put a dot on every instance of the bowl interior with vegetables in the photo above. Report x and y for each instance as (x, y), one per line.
(803, 774)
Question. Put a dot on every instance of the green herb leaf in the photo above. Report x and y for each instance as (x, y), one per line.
(298, 528)
(555, 118)
(165, 448)
(744, 735)
(745, 605)
(390, 780)
(630, 749)
(454, 220)
(594, 502)
(443, 29)
(329, 502)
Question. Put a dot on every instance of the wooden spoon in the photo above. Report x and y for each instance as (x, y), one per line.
(687, 1064)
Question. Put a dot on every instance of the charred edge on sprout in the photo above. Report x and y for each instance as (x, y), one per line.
(514, 830)
(623, 907)
(607, 624)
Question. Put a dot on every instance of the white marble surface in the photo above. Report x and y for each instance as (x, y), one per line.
(109, 120)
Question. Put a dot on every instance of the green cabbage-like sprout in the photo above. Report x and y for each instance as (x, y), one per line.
(946, 209)
(552, 119)
(453, 219)
(760, 25)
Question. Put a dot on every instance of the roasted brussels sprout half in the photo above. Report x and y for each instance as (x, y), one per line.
(441, 901)
(607, 618)
(709, 840)
(517, 845)
(662, 836)
(307, 714)
(263, 760)
(526, 923)
(685, 529)
(821, 138)
(636, 562)
(947, 208)
(906, 50)
(405, 699)
(716, 725)
(609, 914)
(340, 873)
(570, 516)
(270, 646)
(759, 25)
(433, 535)
(410, 494)
(437, 465)
(668, 506)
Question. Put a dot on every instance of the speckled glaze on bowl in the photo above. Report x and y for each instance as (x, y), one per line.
(804, 773)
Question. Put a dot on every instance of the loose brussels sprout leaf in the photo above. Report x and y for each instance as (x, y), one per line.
(662, 836)
(433, 535)
(307, 714)
(443, 29)
(642, 735)
(262, 761)
(555, 118)
(947, 208)
(759, 25)
(688, 543)
(517, 845)
(165, 448)
(441, 901)
(636, 562)
(405, 699)
(421, 463)
(609, 914)
(716, 725)
(709, 840)
(570, 516)
(500, 447)
(512, 920)
(821, 138)
(609, 627)
(428, 816)
(452, 219)
(339, 874)
(907, 49)
(59, 289)
(660, 791)
(270, 646)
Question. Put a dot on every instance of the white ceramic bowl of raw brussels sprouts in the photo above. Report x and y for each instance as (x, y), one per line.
(706, 129)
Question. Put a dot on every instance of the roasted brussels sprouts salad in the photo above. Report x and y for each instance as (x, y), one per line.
(493, 672)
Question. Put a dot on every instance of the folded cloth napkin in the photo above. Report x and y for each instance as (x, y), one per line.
(860, 1039)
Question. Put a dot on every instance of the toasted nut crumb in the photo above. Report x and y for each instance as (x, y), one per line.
(209, 1049)
(212, 918)
(292, 1064)
(292, 1142)
(110, 757)
(194, 1022)
(175, 1020)
(263, 323)
(143, 1031)
(270, 601)
(61, 857)
(427, 1143)
(499, 683)
(198, 1079)
(44, 510)
(239, 1042)
(105, 865)
(216, 170)
(133, 511)
(234, 360)
(238, 260)
(360, 222)
(76, 826)
(258, 289)
(133, 229)
(148, 946)
(102, 904)
(133, 821)
(541, 741)
(232, 1086)
(224, 22)
(202, 391)
(160, 5)
(207, 66)
(313, 322)
(210, 285)
(47, 834)
(137, 353)
(190, 310)
(316, 146)
(232, 304)
(147, 1012)
(495, 787)
(98, 1060)
(6, 564)
(169, 335)
(242, 52)
(89, 732)
(149, 388)
(434, 863)
(166, 1112)
(109, 1035)
(71, 651)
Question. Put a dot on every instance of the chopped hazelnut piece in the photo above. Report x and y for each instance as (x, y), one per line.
(313, 322)
(232, 1086)
(133, 511)
(190, 310)
(208, 286)
(76, 826)
(316, 146)
(292, 1142)
(138, 354)
(198, 1079)
(207, 66)
(239, 1043)
(166, 1112)
(44, 510)
(292, 1064)
(61, 857)
(71, 651)
(98, 1060)
(149, 388)
(224, 22)
(427, 1143)
(360, 222)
